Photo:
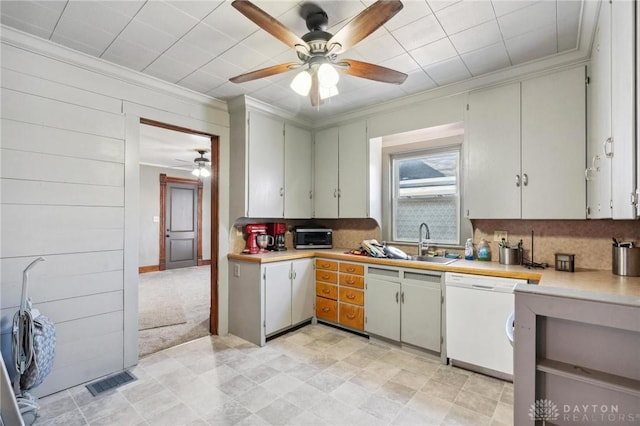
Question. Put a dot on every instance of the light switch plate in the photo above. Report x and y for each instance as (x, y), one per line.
(156, 219)
(236, 270)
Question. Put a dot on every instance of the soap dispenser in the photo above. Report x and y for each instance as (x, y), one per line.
(484, 251)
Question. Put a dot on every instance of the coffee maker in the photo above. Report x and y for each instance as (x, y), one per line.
(277, 231)
(253, 230)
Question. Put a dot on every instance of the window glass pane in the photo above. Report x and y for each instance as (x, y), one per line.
(425, 189)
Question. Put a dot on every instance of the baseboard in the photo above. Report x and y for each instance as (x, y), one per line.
(150, 268)
(204, 262)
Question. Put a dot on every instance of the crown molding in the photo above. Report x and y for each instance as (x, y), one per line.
(47, 48)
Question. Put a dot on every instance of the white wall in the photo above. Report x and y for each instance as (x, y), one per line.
(149, 200)
(69, 181)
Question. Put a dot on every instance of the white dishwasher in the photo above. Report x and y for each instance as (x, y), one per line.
(477, 308)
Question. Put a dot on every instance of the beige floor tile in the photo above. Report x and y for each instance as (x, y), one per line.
(409, 417)
(128, 416)
(140, 389)
(326, 382)
(444, 391)
(507, 394)
(343, 370)
(476, 402)
(261, 373)
(331, 410)
(451, 375)
(252, 420)
(362, 418)
(219, 375)
(485, 386)
(69, 418)
(303, 371)
(396, 392)
(282, 384)
(105, 406)
(230, 413)
(431, 408)
(383, 368)
(282, 363)
(256, 398)
(305, 396)
(151, 405)
(351, 394)
(460, 416)
(236, 386)
(57, 404)
(503, 415)
(369, 380)
(279, 412)
(381, 407)
(306, 418)
(411, 380)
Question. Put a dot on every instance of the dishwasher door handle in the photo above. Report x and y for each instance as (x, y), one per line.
(482, 287)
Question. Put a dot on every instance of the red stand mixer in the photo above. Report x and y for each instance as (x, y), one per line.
(253, 230)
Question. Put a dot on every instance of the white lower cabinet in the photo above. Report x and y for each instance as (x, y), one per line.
(404, 306)
(265, 299)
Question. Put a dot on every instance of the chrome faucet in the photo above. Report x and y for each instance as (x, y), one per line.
(421, 242)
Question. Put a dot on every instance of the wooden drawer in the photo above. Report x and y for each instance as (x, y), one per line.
(327, 290)
(327, 309)
(351, 268)
(350, 295)
(326, 264)
(352, 280)
(327, 276)
(352, 316)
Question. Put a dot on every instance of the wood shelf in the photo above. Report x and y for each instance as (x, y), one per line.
(592, 377)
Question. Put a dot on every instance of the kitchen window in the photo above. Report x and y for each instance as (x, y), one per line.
(425, 187)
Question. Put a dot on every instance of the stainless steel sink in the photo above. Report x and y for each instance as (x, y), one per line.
(432, 259)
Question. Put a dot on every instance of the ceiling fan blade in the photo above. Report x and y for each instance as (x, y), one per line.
(364, 24)
(264, 72)
(370, 71)
(314, 93)
(269, 23)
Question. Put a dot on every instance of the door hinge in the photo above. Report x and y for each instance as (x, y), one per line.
(264, 324)
(634, 198)
(588, 211)
(467, 107)
(611, 204)
(264, 275)
(587, 80)
(441, 340)
(442, 299)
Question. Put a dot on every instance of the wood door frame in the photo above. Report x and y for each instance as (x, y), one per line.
(215, 203)
(164, 180)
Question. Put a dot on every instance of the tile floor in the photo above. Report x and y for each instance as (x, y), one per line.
(317, 375)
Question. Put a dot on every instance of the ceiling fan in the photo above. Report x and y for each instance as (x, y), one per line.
(201, 164)
(318, 50)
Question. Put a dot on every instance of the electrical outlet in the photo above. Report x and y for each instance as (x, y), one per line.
(500, 235)
(236, 270)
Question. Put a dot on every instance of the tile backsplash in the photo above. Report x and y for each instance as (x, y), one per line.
(589, 240)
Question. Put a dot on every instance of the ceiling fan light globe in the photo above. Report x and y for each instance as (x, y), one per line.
(204, 172)
(301, 83)
(327, 75)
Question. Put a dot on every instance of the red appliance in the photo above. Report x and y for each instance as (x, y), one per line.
(253, 230)
(277, 231)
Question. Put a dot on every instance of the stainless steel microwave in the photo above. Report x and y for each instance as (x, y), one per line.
(312, 238)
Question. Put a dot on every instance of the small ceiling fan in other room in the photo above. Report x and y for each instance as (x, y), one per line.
(318, 50)
(201, 162)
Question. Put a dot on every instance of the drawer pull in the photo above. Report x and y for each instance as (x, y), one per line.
(351, 296)
(351, 316)
(326, 291)
(351, 281)
(325, 277)
(325, 265)
(325, 309)
(351, 269)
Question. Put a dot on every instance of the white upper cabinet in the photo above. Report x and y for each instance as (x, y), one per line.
(347, 169)
(266, 166)
(298, 188)
(553, 146)
(526, 149)
(270, 166)
(611, 151)
(493, 153)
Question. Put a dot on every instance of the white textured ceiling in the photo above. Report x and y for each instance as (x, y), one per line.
(201, 44)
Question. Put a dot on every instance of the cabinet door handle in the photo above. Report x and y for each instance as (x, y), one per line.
(608, 152)
(326, 291)
(350, 296)
(397, 293)
(351, 316)
(518, 181)
(281, 191)
(402, 297)
(325, 309)
(525, 179)
(335, 193)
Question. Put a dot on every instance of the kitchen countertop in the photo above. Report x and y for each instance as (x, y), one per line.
(589, 284)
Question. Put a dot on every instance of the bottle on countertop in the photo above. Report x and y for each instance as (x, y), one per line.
(484, 251)
(468, 249)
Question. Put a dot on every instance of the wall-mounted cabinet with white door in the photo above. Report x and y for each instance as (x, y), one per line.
(271, 173)
(526, 149)
(611, 150)
(404, 305)
(346, 172)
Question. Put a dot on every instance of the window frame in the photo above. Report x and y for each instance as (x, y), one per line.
(394, 158)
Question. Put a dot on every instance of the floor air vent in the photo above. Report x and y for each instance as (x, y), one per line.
(110, 382)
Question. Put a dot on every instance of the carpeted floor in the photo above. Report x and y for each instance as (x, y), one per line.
(173, 307)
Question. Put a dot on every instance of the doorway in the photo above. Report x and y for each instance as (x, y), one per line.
(186, 224)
